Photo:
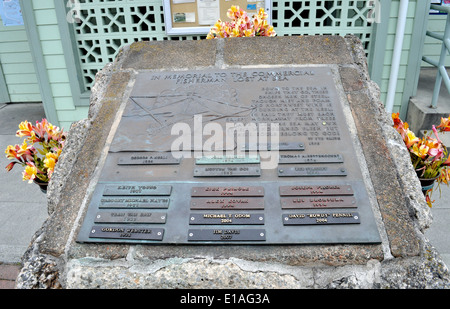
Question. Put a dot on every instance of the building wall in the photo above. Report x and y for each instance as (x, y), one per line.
(52, 50)
(389, 50)
(105, 26)
(17, 65)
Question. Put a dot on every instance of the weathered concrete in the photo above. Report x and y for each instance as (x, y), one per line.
(420, 115)
(405, 259)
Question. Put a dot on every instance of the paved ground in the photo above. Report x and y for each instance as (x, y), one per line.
(23, 206)
(439, 232)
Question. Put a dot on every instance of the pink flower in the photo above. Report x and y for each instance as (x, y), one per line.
(10, 166)
(25, 129)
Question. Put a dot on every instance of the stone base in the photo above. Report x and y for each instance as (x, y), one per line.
(404, 259)
(421, 116)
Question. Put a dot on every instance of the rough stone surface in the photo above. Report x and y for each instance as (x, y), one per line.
(39, 271)
(75, 139)
(75, 187)
(189, 55)
(405, 259)
(278, 50)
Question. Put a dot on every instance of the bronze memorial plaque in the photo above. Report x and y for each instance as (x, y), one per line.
(227, 191)
(151, 158)
(226, 171)
(140, 189)
(226, 219)
(130, 217)
(258, 156)
(228, 203)
(321, 218)
(310, 158)
(226, 235)
(139, 202)
(300, 202)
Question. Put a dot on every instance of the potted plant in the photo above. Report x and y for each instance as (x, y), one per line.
(38, 153)
(241, 25)
(429, 156)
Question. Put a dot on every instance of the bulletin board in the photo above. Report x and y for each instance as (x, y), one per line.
(184, 17)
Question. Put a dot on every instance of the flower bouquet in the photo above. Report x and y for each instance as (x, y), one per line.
(429, 155)
(241, 25)
(39, 151)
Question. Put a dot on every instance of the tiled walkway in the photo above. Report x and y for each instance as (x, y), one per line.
(8, 275)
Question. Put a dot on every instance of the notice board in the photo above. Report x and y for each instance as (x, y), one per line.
(184, 17)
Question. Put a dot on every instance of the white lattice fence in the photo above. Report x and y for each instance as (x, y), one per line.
(106, 25)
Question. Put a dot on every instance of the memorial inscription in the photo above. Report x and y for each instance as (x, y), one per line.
(145, 189)
(226, 171)
(310, 158)
(299, 171)
(315, 168)
(147, 159)
(321, 218)
(130, 217)
(316, 190)
(134, 202)
(228, 160)
(318, 202)
(226, 235)
(228, 203)
(128, 232)
(227, 191)
(283, 146)
(227, 219)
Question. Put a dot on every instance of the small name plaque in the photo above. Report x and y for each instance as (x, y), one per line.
(228, 160)
(310, 158)
(228, 203)
(134, 202)
(130, 217)
(129, 232)
(226, 235)
(296, 171)
(227, 219)
(321, 218)
(148, 159)
(143, 189)
(318, 202)
(316, 190)
(227, 191)
(282, 146)
(226, 171)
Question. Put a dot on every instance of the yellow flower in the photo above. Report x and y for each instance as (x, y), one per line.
(445, 124)
(420, 151)
(234, 12)
(50, 160)
(262, 14)
(11, 152)
(24, 147)
(410, 138)
(25, 129)
(249, 32)
(29, 173)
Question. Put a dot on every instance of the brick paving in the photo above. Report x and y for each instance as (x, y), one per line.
(8, 275)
